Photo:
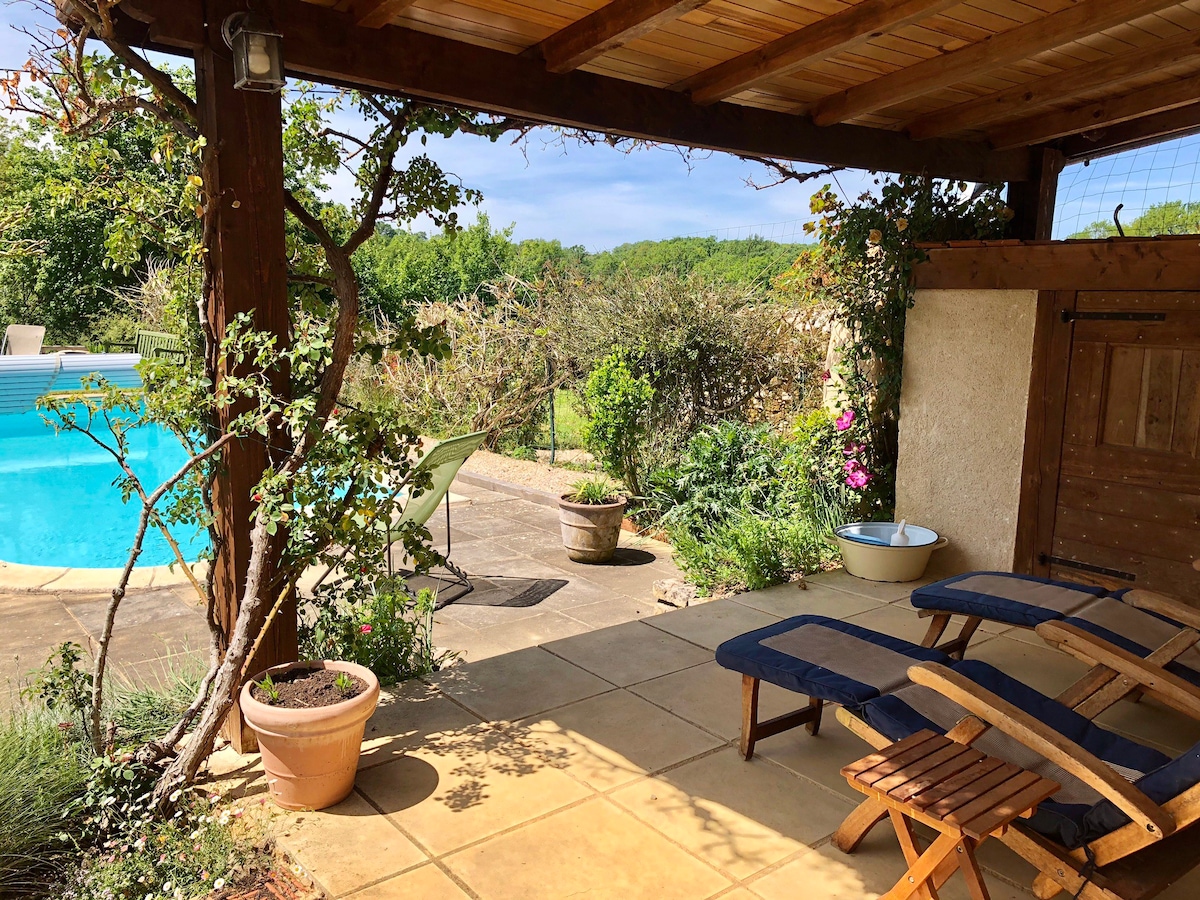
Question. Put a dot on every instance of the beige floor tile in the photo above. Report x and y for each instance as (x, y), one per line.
(592, 850)
(426, 883)
(612, 612)
(883, 591)
(465, 787)
(1042, 668)
(786, 600)
(737, 815)
(348, 846)
(535, 630)
(711, 696)
(711, 623)
(610, 740)
(518, 684)
(1151, 723)
(1186, 888)
(872, 870)
(409, 716)
(820, 758)
(897, 620)
(629, 653)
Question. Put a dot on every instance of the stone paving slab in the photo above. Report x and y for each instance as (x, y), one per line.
(628, 782)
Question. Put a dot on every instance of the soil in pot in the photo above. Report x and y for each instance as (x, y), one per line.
(309, 688)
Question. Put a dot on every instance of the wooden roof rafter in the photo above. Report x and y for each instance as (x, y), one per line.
(434, 68)
(609, 27)
(962, 88)
(1086, 18)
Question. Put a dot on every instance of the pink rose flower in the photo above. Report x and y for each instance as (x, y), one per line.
(844, 420)
(852, 465)
(365, 629)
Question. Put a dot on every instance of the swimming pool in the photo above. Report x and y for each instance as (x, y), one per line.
(58, 506)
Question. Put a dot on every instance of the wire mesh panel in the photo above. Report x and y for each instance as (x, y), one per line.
(1151, 190)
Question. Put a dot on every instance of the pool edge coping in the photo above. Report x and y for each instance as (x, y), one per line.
(22, 578)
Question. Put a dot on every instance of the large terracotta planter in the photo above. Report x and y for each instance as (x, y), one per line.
(311, 755)
(590, 530)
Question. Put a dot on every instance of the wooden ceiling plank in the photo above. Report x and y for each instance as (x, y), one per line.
(377, 13)
(1110, 111)
(609, 27)
(1085, 18)
(324, 45)
(794, 51)
(1022, 98)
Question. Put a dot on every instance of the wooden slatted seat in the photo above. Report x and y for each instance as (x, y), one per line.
(959, 792)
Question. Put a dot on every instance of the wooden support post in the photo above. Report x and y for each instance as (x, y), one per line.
(248, 255)
(1032, 201)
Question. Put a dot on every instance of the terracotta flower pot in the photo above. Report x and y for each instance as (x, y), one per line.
(311, 755)
(590, 530)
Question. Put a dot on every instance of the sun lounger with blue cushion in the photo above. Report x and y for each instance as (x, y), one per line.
(1087, 621)
(1117, 796)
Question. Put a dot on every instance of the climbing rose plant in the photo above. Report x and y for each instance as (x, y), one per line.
(863, 268)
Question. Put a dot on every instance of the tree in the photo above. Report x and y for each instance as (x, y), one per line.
(1169, 217)
(322, 491)
(52, 241)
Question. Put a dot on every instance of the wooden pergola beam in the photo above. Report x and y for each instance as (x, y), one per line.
(841, 31)
(375, 13)
(609, 27)
(1130, 135)
(323, 44)
(1085, 18)
(1022, 98)
(1112, 111)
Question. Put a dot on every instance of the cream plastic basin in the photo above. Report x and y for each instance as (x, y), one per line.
(875, 562)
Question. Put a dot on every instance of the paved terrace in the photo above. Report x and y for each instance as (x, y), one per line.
(587, 743)
(604, 764)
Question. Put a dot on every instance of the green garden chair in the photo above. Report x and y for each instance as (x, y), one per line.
(442, 462)
(152, 344)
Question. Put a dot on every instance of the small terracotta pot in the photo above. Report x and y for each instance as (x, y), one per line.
(311, 755)
(590, 531)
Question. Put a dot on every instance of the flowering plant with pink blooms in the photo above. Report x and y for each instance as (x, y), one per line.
(390, 632)
(869, 247)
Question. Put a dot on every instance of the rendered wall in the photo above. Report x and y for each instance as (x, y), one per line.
(967, 361)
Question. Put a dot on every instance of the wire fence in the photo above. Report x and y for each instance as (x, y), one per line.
(1157, 189)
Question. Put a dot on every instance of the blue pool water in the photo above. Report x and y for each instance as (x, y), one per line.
(58, 506)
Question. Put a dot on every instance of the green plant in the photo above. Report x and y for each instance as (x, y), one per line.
(746, 507)
(143, 713)
(269, 688)
(344, 683)
(61, 685)
(593, 492)
(43, 770)
(618, 406)
(127, 851)
(388, 631)
(868, 250)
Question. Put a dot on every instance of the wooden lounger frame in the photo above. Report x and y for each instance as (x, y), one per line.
(1134, 862)
(1115, 673)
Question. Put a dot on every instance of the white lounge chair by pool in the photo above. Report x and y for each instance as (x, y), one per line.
(22, 340)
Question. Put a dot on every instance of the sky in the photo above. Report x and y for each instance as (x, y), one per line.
(599, 197)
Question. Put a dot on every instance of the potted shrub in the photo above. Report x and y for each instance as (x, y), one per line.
(309, 719)
(590, 515)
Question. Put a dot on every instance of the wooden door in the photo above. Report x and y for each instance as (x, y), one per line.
(1127, 511)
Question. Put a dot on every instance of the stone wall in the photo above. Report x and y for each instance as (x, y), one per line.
(967, 360)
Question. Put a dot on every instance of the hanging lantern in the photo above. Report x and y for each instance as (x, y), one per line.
(257, 53)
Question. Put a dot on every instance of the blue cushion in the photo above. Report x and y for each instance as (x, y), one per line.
(747, 654)
(949, 595)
